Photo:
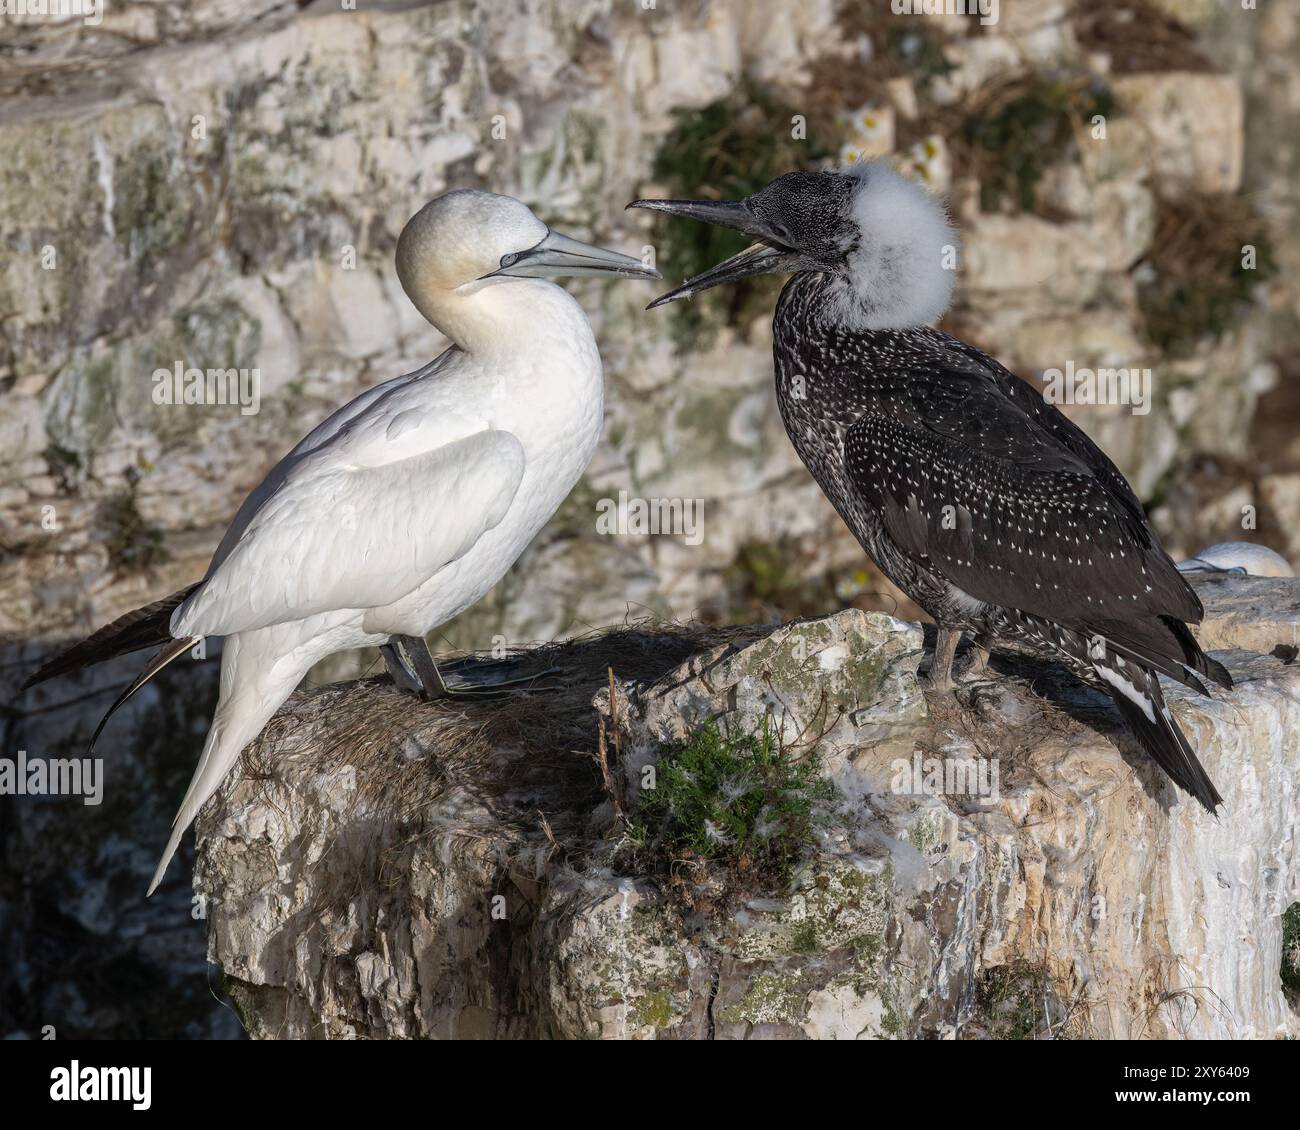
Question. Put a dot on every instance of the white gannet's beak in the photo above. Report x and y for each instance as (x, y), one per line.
(558, 255)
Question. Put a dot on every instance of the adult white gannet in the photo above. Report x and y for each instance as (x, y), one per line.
(409, 503)
(982, 502)
(1244, 558)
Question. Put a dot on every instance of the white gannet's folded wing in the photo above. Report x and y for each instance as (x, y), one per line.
(339, 534)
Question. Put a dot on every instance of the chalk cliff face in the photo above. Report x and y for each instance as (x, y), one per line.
(222, 187)
(389, 870)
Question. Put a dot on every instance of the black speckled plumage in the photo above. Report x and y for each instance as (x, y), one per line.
(990, 509)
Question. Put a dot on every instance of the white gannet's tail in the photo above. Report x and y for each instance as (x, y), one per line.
(254, 685)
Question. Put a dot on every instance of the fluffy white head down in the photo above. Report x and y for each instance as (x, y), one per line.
(460, 237)
(902, 272)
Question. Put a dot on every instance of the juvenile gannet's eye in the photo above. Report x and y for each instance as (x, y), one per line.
(509, 259)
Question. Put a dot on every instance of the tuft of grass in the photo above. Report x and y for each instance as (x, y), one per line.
(1013, 1002)
(1291, 949)
(726, 151)
(1022, 128)
(736, 799)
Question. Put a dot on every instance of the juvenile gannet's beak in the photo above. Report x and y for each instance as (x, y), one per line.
(768, 256)
(558, 255)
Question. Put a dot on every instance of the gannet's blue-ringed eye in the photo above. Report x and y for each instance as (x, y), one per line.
(509, 259)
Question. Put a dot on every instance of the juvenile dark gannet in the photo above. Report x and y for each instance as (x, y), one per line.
(986, 505)
(410, 502)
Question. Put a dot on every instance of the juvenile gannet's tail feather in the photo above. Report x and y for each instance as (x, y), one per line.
(173, 650)
(253, 687)
(1137, 693)
(139, 628)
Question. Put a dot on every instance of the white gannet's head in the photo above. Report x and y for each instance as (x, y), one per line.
(1241, 557)
(885, 245)
(466, 240)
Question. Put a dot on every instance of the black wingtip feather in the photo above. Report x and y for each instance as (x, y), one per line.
(1218, 673)
(168, 654)
(136, 630)
(1194, 657)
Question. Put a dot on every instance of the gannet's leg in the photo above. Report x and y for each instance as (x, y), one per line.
(403, 674)
(939, 675)
(414, 655)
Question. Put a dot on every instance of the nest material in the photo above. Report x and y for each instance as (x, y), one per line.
(1138, 37)
(528, 751)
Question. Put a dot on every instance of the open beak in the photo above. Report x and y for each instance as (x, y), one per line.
(767, 256)
(558, 255)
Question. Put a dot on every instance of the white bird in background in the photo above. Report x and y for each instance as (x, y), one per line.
(409, 503)
(1244, 558)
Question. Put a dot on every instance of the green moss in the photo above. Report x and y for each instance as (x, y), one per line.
(738, 799)
(803, 939)
(133, 544)
(919, 47)
(870, 948)
(654, 1009)
(730, 148)
(148, 213)
(890, 1024)
(218, 335)
(1291, 948)
(1193, 286)
(97, 386)
(849, 909)
(761, 572)
(768, 578)
(1017, 139)
(773, 998)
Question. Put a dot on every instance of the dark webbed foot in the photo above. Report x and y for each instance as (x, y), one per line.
(414, 670)
(976, 667)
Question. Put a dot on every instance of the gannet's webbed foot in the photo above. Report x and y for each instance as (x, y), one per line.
(481, 678)
(413, 669)
(938, 676)
(976, 667)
